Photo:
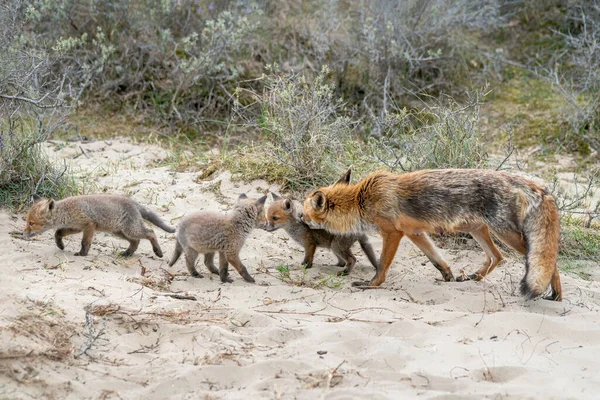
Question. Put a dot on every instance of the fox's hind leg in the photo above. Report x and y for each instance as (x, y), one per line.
(343, 253)
(514, 240)
(139, 231)
(86, 241)
(61, 233)
(191, 256)
(224, 268)
(151, 236)
(133, 244)
(309, 253)
(493, 257)
(423, 242)
(556, 294)
(209, 261)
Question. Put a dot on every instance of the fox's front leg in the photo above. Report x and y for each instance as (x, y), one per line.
(61, 233)
(423, 242)
(309, 254)
(391, 240)
(86, 241)
(234, 259)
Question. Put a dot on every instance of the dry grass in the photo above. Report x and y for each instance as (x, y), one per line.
(40, 331)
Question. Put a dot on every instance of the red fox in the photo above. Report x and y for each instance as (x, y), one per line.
(519, 212)
(208, 233)
(118, 215)
(285, 213)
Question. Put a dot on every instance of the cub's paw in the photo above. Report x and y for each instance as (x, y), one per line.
(464, 277)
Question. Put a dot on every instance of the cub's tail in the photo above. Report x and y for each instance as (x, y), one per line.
(155, 219)
(176, 253)
(368, 249)
(541, 229)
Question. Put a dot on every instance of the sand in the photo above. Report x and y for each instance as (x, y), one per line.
(104, 327)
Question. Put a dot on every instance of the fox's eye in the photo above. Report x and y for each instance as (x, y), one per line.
(30, 223)
(275, 218)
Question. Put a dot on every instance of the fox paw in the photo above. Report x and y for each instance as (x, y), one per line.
(345, 272)
(227, 279)
(125, 254)
(361, 284)
(196, 274)
(464, 277)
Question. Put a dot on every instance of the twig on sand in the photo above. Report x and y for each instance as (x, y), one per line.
(333, 374)
(178, 296)
(92, 335)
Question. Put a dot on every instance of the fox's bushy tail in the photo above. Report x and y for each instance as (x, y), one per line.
(176, 253)
(368, 249)
(541, 229)
(155, 219)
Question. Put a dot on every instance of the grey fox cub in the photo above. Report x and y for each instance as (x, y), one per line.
(208, 233)
(285, 213)
(118, 215)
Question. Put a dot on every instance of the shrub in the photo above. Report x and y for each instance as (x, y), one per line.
(306, 140)
(444, 134)
(34, 102)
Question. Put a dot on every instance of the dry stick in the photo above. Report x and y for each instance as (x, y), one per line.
(84, 152)
(178, 296)
(92, 336)
(317, 314)
(332, 374)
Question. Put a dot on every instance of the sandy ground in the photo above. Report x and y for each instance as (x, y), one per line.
(104, 327)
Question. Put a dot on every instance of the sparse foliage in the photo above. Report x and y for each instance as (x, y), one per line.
(34, 102)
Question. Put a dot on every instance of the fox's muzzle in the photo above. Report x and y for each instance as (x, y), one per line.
(270, 228)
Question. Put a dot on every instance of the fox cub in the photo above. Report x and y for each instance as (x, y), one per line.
(118, 215)
(518, 211)
(286, 214)
(208, 233)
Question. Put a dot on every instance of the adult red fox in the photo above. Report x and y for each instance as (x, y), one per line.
(519, 212)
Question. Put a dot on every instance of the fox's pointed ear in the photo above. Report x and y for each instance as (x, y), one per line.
(287, 205)
(345, 179)
(318, 201)
(36, 198)
(51, 205)
(242, 196)
(261, 201)
(275, 196)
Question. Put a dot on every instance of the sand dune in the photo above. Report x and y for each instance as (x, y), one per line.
(106, 327)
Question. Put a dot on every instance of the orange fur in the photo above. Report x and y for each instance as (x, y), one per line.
(518, 211)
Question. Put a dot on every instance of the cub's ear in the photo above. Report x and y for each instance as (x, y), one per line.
(261, 201)
(287, 206)
(318, 201)
(344, 179)
(36, 198)
(242, 196)
(51, 204)
(275, 196)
